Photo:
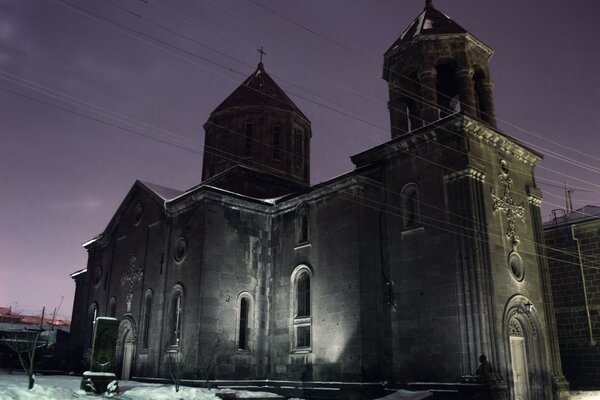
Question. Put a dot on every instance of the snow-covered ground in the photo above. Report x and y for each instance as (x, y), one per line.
(14, 387)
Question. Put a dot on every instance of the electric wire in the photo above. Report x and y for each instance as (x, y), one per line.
(374, 204)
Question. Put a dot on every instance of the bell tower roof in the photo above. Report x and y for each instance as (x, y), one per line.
(259, 89)
(429, 22)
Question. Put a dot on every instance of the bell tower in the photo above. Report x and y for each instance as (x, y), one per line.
(436, 68)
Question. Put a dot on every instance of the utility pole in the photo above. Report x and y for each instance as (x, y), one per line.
(42, 320)
(568, 200)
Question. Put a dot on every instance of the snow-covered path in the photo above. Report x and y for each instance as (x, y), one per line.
(54, 387)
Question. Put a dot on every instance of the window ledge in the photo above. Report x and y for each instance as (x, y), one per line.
(301, 351)
(411, 231)
(302, 246)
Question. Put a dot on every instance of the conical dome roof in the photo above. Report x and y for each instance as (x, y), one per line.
(429, 22)
(259, 89)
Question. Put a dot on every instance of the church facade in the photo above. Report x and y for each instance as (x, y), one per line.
(407, 269)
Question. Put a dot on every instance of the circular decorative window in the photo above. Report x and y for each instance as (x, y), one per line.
(138, 213)
(515, 263)
(180, 249)
(97, 275)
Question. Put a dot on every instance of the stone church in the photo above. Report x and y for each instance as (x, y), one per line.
(406, 269)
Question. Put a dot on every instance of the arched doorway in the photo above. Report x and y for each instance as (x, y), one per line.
(125, 351)
(526, 360)
(518, 359)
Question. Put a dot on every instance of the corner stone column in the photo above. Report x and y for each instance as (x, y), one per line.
(428, 79)
(488, 113)
(466, 91)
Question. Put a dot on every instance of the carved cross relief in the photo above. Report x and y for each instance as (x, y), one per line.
(129, 277)
(507, 204)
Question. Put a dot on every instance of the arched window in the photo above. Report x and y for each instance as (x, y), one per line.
(112, 308)
(276, 140)
(299, 148)
(302, 225)
(92, 315)
(411, 210)
(301, 308)
(146, 319)
(248, 142)
(243, 323)
(176, 316)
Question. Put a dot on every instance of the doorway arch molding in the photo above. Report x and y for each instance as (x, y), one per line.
(524, 311)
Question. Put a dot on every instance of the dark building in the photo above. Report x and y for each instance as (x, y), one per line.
(407, 269)
(573, 246)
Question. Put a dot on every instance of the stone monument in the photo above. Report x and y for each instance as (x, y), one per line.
(102, 365)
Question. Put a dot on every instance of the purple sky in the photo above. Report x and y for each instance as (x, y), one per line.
(62, 176)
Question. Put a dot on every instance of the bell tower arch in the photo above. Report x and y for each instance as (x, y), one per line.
(452, 73)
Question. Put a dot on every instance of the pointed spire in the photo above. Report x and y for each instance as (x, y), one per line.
(428, 4)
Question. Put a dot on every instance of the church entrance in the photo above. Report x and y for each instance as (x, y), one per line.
(518, 358)
(125, 351)
(127, 356)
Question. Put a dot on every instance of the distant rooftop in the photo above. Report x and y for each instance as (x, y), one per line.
(584, 214)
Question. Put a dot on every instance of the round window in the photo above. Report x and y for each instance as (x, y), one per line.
(515, 263)
(180, 249)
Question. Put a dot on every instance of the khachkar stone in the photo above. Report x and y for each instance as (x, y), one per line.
(102, 365)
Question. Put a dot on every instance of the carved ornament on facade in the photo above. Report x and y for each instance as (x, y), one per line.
(466, 173)
(506, 203)
(134, 274)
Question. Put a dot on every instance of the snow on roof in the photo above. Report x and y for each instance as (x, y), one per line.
(164, 192)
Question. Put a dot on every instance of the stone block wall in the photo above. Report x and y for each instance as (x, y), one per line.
(580, 351)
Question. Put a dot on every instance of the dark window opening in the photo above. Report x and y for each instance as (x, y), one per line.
(113, 308)
(298, 149)
(248, 142)
(176, 320)
(303, 336)
(302, 226)
(147, 315)
(276, 141)
(243, 332)
(303, 296)
(224, 138)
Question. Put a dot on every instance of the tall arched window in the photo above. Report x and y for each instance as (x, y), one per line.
(301, 308)
(112, 308)
(176, 316)
(276, 140)
(147, 317)
(411, 210)
(248, 140)
(243, 327)
(302, 224)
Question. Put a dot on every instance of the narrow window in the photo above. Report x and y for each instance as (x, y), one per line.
(113, 307)
(248, 143)
(224, 138)
(410, 206)
(302, 225)
(298, 149)
(302, 320)
(176, 319)
(243, 331)
(147, 316)
(303, 296)
(276, 140)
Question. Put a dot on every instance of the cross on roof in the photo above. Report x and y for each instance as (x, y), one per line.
(262, 53)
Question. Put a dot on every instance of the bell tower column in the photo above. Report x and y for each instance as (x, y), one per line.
(428, 79)
(466, 91)
(488, 113)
